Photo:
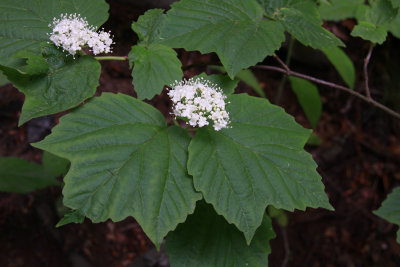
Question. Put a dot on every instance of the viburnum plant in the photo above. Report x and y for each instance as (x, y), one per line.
(205, 192)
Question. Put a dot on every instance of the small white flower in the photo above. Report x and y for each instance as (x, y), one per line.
(71, 32)
(201, 102)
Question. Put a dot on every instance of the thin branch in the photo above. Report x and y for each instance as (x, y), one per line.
(281, 87)
(332, 85)
(366, 62)
(283, 64)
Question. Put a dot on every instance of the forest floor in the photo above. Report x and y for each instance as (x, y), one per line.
(358, 160)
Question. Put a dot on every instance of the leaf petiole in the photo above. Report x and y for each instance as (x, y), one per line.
(112, 58)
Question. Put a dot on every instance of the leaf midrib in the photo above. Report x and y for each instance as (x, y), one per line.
(275, 166)
(166, 176)
(227, 180)
(117, 173)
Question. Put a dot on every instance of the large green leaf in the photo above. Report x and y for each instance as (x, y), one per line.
(301, 19)
(148, 26)
(24, 23)
(342, 64)
(390, 209)
(309, 99)
(154, 67)
(66, 84)
(124, 162)
(207, 240)
(339, 9)
(306, 31)
(257, 162)
(234, 29)
(21, 176)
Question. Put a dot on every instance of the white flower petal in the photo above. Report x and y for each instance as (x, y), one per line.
(71, 32)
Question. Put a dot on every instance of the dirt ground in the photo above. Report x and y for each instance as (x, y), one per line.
(358, 160)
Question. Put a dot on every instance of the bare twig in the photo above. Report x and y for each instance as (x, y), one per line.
(283, 64)
(366, 62)
(289, 72)
(287, 64)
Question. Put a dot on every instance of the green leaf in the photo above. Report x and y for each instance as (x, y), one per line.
(3, 79)
(314, 140)
(257, 162)
(342, 64)
(224, 82)
(73, 216)
(307, 32)
(155, 66)
(395, 3)
(21, 176)
(54, 165)
(207, 240)
(390, 209)
(234, 29)
(381, 12)
(339, 9)
(149, 25)
(35, 65)
(370, 32)
(124, 162)
(301, 19)
(245, 76)
(309, 99)
(68, 82)
(375, 20)
(362, 11)
(248, 77)
(279, 215)
(24, 23)
(394, 26)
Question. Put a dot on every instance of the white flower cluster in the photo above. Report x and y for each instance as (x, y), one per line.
(72, 32)
(200, 102)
